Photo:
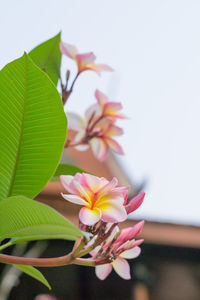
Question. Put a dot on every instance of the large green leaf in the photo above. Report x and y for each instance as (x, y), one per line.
(33, 272)
(64, 169)
(24, 219)
(33, 128)
(48, 57)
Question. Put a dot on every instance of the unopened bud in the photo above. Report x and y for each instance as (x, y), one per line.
(135, 203)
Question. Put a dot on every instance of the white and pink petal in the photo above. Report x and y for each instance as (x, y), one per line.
(83, 191)
(131, 253)
(67, 182)
(95, 183)
(108, 187)
(75, 121)
(101, 98)
(122, 268)
(89, 216)
(74, 199)
(68, 50)
(102, 271)
(99, 148)
(114, 145)
(114, 131)
(112, 212)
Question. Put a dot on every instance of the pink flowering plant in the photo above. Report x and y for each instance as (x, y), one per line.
(33, 131)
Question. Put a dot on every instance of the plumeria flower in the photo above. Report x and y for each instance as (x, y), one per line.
(124, 247)
(100, 199)
(84, 61)
(100, 138)
(98, 129)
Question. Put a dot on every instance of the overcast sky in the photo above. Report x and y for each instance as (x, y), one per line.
(154, 48)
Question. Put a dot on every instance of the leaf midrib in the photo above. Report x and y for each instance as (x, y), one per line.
(22, 129)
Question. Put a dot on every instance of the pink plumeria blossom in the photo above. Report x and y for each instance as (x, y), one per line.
(98, 129)
(84, 61)
(124, 247)
(100, 199)
(100, 137)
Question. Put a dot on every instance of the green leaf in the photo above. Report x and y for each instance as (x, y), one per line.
(47, 56)
(33, 272)
(24, 219)
(66, 170)
(33, 128)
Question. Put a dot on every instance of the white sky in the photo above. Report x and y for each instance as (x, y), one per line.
(154, 48)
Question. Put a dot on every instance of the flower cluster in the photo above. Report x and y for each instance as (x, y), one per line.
(116, 251)
(104, 205)
(98, 129)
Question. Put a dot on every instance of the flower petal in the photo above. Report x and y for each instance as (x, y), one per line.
(112, 107)
(122, 268)
(108, 187)
(112, 197)
(114, 131)
(67, 182)
(85, 58)
(74, 199)
(95, 183)
(102, 271)
(101, 98)
(114, 145)
(89, 216)
(79, 136)
(131, 253)
(68, 50)
(99, 148)
(82, 191)
(82, 148)
(112, 212)
(99, 68)
(75, 122)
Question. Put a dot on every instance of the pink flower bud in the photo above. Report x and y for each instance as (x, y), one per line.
(135, 203)
(130, 232)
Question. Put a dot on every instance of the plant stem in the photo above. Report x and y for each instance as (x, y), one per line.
(4, 246)
(65, 93)
(46, 262)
